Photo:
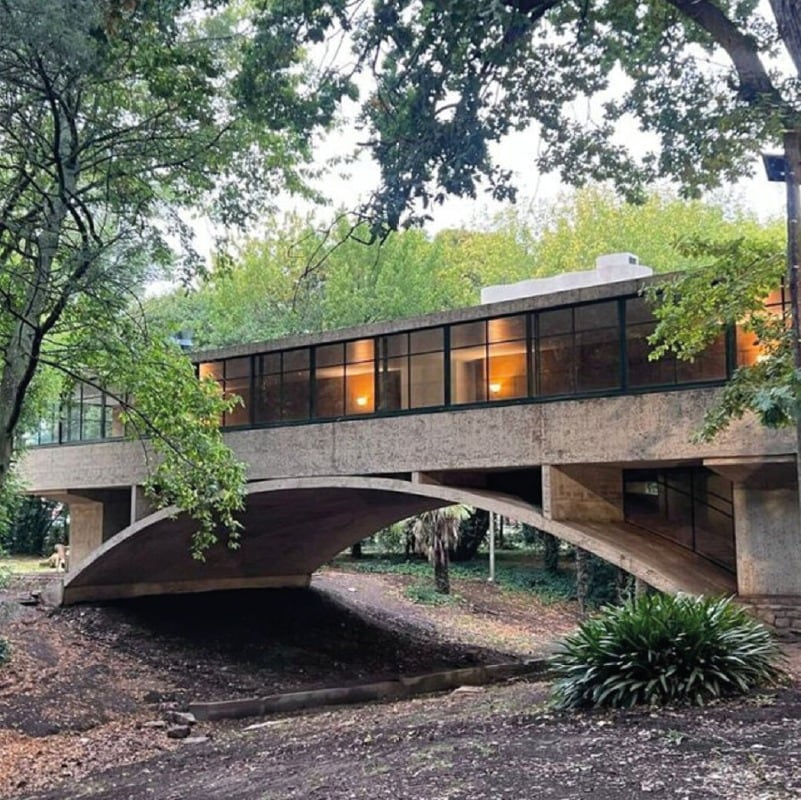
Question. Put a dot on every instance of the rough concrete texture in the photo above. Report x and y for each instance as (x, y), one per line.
(294, 526)
(639, 430)
(768, 541)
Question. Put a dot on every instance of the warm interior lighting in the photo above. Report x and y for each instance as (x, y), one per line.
(361, 401)
(495, 388)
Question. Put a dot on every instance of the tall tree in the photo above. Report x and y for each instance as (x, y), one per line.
(113, 117)
(700, 77)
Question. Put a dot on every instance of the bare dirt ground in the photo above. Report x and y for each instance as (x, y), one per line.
(84, 695)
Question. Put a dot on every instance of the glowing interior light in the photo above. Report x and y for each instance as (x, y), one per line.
(361, 401)
(495, 388)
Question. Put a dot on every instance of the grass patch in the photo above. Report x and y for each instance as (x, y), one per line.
(514, 571)
(24, 565)
(426, 595)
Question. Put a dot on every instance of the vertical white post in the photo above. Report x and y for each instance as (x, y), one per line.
(491, 578)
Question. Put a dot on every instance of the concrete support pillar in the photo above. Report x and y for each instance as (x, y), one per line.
(768, 540)
(95, 516)
(86, 528)
(140, 504)
(582, 493)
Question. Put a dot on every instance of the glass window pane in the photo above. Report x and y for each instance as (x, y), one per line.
(239, 414)
(92, 421)
(426, 380)
(557, 365)
(637, 311)
(211, 369)
(426, 341)
(598, 357)
(393, 384)
(268, 399)
(270, 363)
(468, 334)
(709, 365)
(296, 359)
(237, 367)
(507, 371)
(359, 351)
(393, 346)
(642, 371)
(330, 391)
(596, 315)
(330, 355)
(468, 375)
(554, 322)
(295, 394)
(360, 394)
(506, 329)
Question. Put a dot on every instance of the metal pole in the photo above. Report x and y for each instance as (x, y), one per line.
(491, 578)
(792, 159)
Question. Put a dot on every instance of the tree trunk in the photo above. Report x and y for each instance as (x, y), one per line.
(442, 582)
(788, 21)
(356, 550)
(792, 160)
(582, 579)
(550, 552)
(472, 532)
(500, 531)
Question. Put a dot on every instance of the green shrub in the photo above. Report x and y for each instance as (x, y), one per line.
(5, 651)
(661, 650)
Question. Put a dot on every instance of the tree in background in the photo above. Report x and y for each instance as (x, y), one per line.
(582, 225)
(113, 118)
(700, 78)
(435, 533)
(267, 290)
(35, 526)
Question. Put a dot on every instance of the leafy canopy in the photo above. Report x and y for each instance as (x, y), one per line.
(114, 117)
(699, 78)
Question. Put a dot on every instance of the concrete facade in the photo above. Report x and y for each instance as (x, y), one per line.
(317, 487)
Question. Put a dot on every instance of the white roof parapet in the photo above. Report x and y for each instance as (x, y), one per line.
(608, 269)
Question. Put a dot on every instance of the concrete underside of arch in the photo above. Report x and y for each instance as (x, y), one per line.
(292, 527)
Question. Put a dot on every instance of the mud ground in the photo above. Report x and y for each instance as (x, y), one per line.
(83, 698)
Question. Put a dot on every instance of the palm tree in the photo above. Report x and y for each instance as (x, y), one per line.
(435, 533)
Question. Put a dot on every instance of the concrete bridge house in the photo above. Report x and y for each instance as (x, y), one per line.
(540, 404)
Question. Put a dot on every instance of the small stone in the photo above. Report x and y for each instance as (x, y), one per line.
(180, 717)
(468, 690)
(178, 732)
(154, 696)
(259, 725)
(196, 739)
(154, 723)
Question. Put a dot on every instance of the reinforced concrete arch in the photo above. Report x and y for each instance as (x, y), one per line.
(293, 526)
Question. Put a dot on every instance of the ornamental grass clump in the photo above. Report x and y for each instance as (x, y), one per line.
(660, 650)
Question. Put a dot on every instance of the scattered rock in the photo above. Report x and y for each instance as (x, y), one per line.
(259, 725)
(196, 739)
(180, 717)
(468, 690)
(178, 732)
(154, 723)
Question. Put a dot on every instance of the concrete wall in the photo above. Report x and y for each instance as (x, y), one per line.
(629, 430)
(768, 534)
(583, 493)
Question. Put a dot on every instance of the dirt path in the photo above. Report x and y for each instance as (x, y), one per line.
(81, 702)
